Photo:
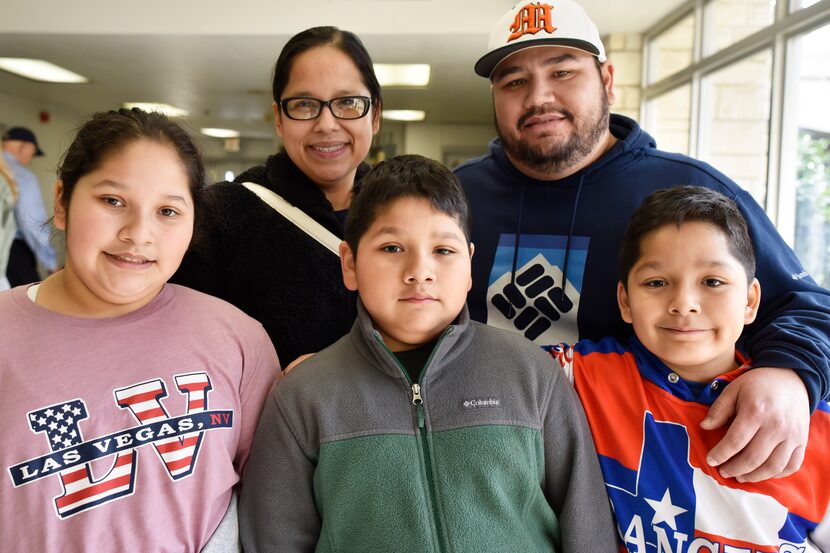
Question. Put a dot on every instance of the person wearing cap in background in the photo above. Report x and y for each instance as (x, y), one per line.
(31, 242)
(8, 228)
(549, 205)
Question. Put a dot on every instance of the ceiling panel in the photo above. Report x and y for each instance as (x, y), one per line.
(216, 61)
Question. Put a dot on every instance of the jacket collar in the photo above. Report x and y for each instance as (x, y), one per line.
(654, 370)
(368, 341)
(281, 175)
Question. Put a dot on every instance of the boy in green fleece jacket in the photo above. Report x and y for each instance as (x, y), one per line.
(421, 430)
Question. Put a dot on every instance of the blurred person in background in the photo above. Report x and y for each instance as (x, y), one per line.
(8, 197)
(31, 241)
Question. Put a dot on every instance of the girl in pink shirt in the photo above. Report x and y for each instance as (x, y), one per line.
(127, 405)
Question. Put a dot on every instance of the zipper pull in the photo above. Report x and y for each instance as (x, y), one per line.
(416, 394)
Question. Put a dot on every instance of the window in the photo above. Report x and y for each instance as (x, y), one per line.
(668, 117)
(805, 168)
(756, 76)
(671, 50)
(728, 21)
(735, 108)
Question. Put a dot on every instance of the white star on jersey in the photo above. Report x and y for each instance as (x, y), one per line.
(665, 511)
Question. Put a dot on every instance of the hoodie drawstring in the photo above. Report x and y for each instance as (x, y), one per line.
(517, 238)
(570, 235)
(512, 312)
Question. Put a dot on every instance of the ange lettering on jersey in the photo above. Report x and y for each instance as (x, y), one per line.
(176, 440)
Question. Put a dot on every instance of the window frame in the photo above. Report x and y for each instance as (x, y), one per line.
(790, 22)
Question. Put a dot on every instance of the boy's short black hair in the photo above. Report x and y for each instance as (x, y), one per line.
(681, 204)
(405, 176)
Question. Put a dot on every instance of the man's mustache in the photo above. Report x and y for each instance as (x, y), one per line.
(533, 112)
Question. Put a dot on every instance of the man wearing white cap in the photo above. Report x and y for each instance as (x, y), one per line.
(31, 242)
(550, 203)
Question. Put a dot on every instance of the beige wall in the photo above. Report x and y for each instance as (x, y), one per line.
(449, 144)
(735, 127)
(625, 51)
(218, 160)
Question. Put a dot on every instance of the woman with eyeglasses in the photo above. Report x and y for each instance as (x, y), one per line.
(326, 110)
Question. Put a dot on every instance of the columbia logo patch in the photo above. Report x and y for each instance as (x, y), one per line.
(479, 403)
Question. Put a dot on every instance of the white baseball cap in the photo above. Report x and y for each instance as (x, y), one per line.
(529, 24)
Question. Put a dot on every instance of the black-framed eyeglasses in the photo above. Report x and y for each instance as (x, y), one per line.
(303, 108)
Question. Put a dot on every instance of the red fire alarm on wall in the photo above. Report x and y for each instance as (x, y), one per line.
(44, 116)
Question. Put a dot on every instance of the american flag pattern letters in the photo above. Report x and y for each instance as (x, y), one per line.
(176, 441)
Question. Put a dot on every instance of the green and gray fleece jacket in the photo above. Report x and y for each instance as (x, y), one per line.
(488, 452)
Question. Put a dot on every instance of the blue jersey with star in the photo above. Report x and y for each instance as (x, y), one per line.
(666, 498)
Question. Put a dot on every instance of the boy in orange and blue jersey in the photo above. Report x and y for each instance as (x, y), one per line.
(687, 286)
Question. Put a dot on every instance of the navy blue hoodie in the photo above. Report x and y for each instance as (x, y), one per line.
(557, 281)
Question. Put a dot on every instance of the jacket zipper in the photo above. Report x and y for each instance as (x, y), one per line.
(418, 402)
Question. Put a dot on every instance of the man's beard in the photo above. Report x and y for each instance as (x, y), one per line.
(560, 156)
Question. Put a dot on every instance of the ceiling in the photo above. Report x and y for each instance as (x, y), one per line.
(215, 60)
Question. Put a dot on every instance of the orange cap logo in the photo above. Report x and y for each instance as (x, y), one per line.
(531, 19)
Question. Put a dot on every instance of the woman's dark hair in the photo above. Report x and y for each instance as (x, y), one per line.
(681, 204)
(411, 176)
(346, 42)
(108, 132)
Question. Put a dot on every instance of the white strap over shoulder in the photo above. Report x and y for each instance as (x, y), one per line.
(296, 216)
